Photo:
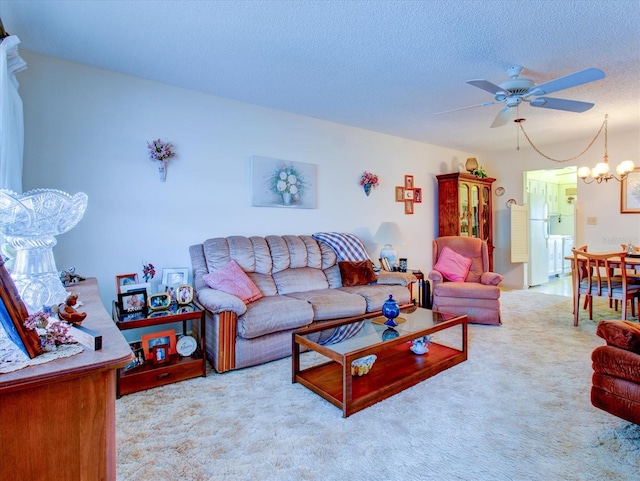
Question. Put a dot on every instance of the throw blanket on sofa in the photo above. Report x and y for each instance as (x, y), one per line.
(346, 246)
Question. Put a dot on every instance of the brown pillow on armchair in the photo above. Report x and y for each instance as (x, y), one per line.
(622, 334)
(356, 273)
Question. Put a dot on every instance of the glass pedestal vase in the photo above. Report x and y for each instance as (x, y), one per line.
(29, 223)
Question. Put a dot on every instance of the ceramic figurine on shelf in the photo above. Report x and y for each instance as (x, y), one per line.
(67, 311)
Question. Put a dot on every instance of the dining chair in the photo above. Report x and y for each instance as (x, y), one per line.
(595, 277)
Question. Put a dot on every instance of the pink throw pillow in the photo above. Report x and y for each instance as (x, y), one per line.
(233, 280)
(452, 265)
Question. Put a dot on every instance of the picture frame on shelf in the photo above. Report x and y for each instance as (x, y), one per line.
(13, 313)
(138, 356)
(417, 195)
(148, 341)
(174, 276)
(184, 294)
(159, 301)
(408, 182)
(133, 301)
(399, 193)
(630, 193)
(125, 279)
(160, 354)
(136, 287)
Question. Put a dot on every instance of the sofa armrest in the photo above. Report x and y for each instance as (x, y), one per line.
(616, 362)
(491, 278)
(396, 278)
(217, 301)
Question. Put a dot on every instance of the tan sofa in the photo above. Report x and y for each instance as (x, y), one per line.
(301, 283)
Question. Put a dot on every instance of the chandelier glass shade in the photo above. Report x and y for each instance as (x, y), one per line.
(601, 171)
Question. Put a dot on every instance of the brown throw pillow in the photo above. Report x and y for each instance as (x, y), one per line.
(356, 273)
(622, 334)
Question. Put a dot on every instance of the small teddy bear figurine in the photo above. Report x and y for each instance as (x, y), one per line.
(67, 312)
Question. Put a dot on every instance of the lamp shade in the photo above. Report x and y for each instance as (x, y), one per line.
(388, 233)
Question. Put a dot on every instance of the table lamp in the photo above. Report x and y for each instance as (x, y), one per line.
(388, 234)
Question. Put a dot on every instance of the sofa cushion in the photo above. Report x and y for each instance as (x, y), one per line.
(376, 295)
(332, 303)
(274, 314)
(622, 334)
(233, 280)
(452, 265)
(300, 280)
(356, 273)
(467, 290)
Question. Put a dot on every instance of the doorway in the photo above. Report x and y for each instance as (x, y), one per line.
(551, 195)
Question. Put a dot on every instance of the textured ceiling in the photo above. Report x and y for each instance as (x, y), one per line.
(386, 66)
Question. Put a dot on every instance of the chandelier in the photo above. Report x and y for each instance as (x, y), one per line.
(601, 171)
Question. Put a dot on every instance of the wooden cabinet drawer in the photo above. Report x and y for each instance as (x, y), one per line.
(149, 375)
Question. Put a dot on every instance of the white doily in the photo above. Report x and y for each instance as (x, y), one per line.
(12, 358)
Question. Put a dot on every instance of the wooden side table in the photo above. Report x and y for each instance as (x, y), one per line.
(178, 368)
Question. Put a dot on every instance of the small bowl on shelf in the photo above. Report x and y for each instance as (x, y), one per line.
(362, 366)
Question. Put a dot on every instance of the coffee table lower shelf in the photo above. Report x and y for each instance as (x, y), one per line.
(395, 370)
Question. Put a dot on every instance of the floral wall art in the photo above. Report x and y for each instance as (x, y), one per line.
(283, 183)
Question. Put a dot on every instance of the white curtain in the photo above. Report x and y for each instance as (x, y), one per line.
(11, 117)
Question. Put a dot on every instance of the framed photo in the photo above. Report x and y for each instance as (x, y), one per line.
(13, 313)
(138, 355)
(184, 294)
(408, 182)
(158, 301)
(125, 280)
(399, 193)
(136, 287)
(175, 276)
(417, 195)
(630, 193)
(134, 301)
(408, 194)
(160, 354)
(158, 338)
(384, 262)
(408, 207)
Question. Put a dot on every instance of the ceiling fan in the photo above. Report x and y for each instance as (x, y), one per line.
(519, 89)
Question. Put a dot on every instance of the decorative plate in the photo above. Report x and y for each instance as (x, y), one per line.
(186, 345)
(510, 202)
(500, 191)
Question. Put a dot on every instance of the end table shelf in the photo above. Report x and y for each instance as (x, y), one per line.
(177, 368)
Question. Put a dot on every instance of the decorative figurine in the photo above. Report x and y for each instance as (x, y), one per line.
(67, 312)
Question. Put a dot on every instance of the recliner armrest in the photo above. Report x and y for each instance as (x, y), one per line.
(435, 276)
(217, 301)
(491, 278)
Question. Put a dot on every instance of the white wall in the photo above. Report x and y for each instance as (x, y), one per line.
(594, 200)
(86, 130)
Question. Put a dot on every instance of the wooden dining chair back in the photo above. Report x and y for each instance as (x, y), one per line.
(595, 277)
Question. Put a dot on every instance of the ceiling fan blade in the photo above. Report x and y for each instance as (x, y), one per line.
(503, 117)
(560, 104)
(486, 85)
(465, 108)
(572, 80)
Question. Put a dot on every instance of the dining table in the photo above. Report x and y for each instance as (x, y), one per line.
(632, 263)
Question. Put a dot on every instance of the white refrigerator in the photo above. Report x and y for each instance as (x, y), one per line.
(538, 239)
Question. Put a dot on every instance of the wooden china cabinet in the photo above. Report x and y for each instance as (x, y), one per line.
(465, 207)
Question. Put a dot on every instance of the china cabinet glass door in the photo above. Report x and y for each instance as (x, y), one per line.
(463, 194)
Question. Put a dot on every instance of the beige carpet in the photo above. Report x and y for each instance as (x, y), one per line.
(518, 409)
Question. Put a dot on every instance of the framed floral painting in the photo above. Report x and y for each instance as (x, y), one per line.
(630, 193)
(283, 183)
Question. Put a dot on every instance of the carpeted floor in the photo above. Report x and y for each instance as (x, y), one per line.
(517, 409)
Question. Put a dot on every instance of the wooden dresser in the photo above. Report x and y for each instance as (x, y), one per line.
(57, 419)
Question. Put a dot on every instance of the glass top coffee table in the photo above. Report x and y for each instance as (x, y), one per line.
(396, 367)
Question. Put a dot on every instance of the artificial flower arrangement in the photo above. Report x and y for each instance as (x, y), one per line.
(480, 173)
(369, 180)
(148, 271)
(287, 180)
(161, 151)
(52, 332)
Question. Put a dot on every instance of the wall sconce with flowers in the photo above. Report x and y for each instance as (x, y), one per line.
(368, 180)
(162, 152)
